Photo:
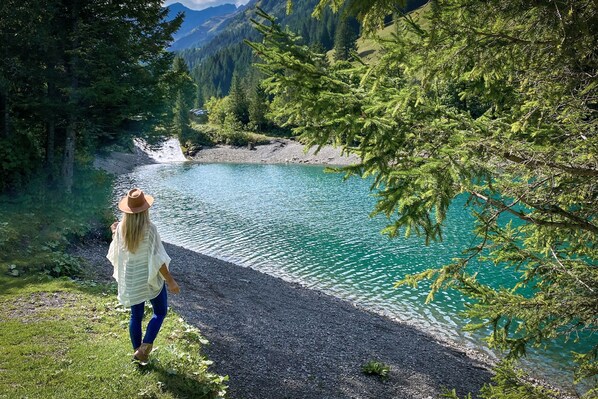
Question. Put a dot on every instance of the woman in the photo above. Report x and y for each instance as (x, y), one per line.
(140, 268)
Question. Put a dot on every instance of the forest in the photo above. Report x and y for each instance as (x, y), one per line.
(77, 75)
(76, 78)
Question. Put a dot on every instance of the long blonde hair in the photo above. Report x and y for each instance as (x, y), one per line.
(134, 228)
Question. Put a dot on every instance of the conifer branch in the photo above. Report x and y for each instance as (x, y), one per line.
(565, 270)
(508, 208)
(574, 170)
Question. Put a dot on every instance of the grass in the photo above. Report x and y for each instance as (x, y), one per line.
(368, 48)
(65, 339)
(37, 224)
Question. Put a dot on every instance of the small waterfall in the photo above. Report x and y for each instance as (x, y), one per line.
(167, 152)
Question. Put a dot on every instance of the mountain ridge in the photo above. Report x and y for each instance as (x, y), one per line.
(198, 25)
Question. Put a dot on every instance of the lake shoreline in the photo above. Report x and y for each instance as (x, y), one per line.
(234, 354)
(279, 339)
(278, 151)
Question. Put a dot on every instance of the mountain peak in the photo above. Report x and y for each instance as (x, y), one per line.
(195, 18)
(181, 7)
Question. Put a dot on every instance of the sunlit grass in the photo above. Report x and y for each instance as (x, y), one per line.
(66, 339)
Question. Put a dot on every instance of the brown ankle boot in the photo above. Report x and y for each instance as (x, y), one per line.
(142, 353)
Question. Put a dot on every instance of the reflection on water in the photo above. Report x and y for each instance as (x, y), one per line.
(304, 225)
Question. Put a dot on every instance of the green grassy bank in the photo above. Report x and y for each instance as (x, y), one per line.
(61, 338)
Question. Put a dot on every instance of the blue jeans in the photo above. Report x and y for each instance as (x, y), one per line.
(160, 308)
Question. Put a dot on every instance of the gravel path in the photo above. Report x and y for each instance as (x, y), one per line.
(279, 340)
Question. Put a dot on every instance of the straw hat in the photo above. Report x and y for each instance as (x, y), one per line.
(135, 201)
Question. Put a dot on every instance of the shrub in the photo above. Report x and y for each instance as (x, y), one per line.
(376, 368)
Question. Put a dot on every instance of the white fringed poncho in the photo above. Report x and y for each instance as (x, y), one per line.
(138, 274)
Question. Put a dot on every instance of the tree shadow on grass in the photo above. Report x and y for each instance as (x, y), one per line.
(181, 385)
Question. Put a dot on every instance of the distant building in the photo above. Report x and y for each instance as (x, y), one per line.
(199, 115)
(199, 112)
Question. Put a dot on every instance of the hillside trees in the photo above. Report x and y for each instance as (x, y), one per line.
(491, 99)
(182, 92)
(345, 39)
(74, 74)
(239, 104)
(214, 65)
(245, 108)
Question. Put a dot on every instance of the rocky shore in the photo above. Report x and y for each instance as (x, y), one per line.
(277, 152)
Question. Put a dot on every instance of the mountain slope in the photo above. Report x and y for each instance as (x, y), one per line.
(215, 62)
(198, 26)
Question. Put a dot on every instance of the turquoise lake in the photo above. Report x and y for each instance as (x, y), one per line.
(303, 225)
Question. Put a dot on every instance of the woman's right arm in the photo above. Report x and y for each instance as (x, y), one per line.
(173, 287)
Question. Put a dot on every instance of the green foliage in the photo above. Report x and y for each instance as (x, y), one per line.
(218, 109)
(202, 134)
(238, 103)
(510, 383)
(182, 91)
(258, 104)
(224, 114)
(345, 39)
(214, 64)
(74, 75)
(495, 100)
(37, 225)
(231, 133)
(20, 156)
(376, 368)
(182, 121)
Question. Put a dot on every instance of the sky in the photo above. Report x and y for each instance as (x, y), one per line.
(201, 4)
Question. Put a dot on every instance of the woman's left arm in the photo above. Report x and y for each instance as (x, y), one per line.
(173, 286)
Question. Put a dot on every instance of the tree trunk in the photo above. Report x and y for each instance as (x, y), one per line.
(71, 132)
(5, 112)
(50, 123)
(50, 136)
(69, 153)
(68, 164)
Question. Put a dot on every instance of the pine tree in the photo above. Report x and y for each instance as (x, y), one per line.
(183, 91)
(239, 104)
(474, 101)
(257, 102)
(74, 74)
(182, 123)
(345, 38)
